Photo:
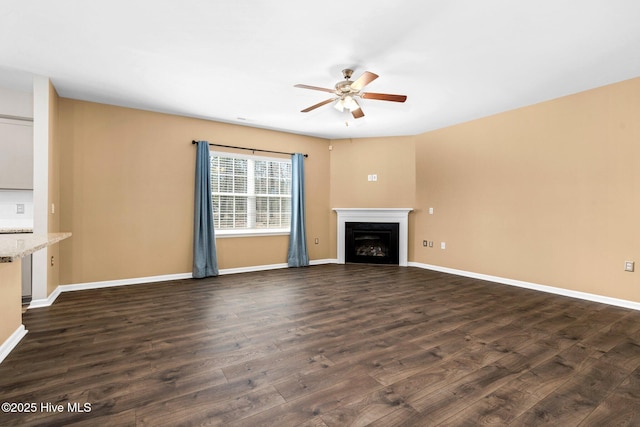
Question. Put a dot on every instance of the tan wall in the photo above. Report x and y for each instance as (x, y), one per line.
(10, 298)
(546, 194)
(126, 183)
(391, 159)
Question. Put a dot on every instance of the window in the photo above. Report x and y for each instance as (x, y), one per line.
(251, 194)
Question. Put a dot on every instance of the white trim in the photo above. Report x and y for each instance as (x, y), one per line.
(124, 282)
(164, 278)
(252, 232)
(41, 116)
(105, 284)
(217, 153)
(12, 342)
(323, 261)
(251, 196)
(46, 302)
(505, 281)
(391, 215)
(534, 286)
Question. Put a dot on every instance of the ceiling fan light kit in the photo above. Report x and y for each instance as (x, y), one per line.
(346, 102)
(348, 91)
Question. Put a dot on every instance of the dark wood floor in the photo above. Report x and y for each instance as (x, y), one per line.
(332, 345)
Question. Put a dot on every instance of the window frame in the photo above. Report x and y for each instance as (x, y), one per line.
(249, 232)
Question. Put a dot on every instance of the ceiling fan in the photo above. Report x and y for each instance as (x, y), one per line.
(347, 91)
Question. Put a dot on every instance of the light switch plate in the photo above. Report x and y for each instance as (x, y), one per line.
(629, 266)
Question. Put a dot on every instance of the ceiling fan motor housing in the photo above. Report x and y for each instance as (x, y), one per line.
(343, 87)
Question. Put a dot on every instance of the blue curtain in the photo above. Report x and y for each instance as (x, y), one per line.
(298, 256)
(205, 261)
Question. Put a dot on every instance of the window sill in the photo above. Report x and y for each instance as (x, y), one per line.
(223, 234)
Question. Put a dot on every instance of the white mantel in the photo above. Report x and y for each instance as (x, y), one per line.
(392, 215)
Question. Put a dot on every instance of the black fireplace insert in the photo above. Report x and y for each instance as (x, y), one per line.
(372, 242)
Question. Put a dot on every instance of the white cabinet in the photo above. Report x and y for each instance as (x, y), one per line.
(16, 154)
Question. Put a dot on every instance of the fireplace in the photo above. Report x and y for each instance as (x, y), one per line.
(397, 216)
(372, 242)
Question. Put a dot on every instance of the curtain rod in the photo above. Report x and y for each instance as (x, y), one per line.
(249, 149)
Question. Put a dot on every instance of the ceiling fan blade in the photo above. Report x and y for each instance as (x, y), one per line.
(319, 104)
(315, 88)
(366, 78)
(384, 96)
(357, 113)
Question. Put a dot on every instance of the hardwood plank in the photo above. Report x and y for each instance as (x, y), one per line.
(572, 402)
(481, 382)
(621, 407)
(626, 354)
(367, 410)
(326, 346)
(206, 406)
(509, 401)
(308, 407)
(273, 368)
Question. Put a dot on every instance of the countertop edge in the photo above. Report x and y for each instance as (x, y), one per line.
(15, 230)
(31, 244)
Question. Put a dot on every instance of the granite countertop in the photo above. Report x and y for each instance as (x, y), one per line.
(16, 229)
(15, 246)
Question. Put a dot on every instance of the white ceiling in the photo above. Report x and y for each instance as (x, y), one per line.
(237, 61)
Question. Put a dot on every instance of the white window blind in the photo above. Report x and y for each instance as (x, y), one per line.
(250, 192)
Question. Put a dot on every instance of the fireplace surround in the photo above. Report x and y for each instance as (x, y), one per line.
(372, 242)
(374, 215)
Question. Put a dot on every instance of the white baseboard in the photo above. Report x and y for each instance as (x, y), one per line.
(124, 282)
(105, 284)
(150, 279)
(519, 283)
(534, 286)
(12, 342)
(323, 261)
(37, 303)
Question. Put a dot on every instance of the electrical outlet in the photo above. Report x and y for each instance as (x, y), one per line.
(430, 211)
(425, 243)
(20, 208)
